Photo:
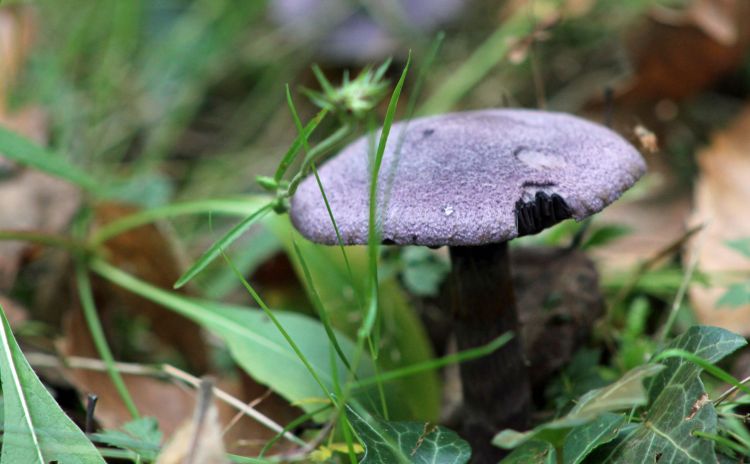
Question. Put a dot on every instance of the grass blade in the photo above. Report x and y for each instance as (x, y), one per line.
(318, 304)
(230, 207)
(86, 295)
(298, 143)
(479, 64)
(220, 245)
(373, 236)
(433, 364)
(24, 151)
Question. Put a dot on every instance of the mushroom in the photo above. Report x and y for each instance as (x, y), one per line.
(473, 181)
(344, 32)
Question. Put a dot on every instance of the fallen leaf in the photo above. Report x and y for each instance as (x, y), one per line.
(714, 17)
(721, 202)
(167, 402)
(15, 313)
(654, 221)
(678, 59)
(198, 441)
(30, 200)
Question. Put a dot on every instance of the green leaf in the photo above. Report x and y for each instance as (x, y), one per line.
(741, 245)
(581, 375)
(404, 340)
(626, 393)
(142, 436)
(605, 234)
(406, 442)
(255, 343)
(532, 452)
(585, 438)
(737, 295)
(35, 429)
(677, 406)
(23, 151)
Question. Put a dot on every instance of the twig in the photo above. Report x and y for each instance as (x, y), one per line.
(646, 265)
(681, 292)
(163, 371)
(730, 392)
(251, 404)
(231, 400)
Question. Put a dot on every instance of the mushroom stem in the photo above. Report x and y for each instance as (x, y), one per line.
(496, 388)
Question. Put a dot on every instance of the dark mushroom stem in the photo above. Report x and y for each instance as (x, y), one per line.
(496, 388)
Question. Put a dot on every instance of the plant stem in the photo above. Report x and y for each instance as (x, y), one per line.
(316, 153)
(100, 341)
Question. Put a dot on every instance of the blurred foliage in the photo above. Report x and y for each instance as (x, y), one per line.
(165, 103)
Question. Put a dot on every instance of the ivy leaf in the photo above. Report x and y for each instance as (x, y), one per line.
(142, 436)
(423, 271)
(532, 452)
(625, 393)
(677, 407)
(585, 438)
(406, 442)
(35, 429)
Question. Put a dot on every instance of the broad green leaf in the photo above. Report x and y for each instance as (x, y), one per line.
(585, 438)
(35, 429)
(142, 436)
(406, 442)
(255, 343)
(532, 452)
(626, 393)
(404, 340)
(677, 407)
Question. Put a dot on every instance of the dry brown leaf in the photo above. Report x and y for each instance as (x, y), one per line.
(713, 17)
(199, 440)
(14, 312)
(167, 402)
(722, 195)
(675, 61)
(30, 200)
(655, 220)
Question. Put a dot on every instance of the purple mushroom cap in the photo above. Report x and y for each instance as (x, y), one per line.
(465, 178)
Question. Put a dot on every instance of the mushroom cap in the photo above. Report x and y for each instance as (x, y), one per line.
(459, 178)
